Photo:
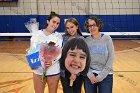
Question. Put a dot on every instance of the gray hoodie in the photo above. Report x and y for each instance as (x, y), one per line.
(102, 56)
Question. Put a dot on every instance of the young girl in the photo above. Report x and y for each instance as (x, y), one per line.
(72, 30)
(75, 64)
(53, 72)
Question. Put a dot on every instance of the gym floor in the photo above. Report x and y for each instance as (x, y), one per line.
(16, 76)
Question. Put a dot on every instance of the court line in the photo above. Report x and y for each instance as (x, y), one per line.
(128, 50)
(16, 72)
(126, 71)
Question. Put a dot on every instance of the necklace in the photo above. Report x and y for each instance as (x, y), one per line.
(47, 32)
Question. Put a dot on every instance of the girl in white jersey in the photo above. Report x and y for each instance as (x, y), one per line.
(53, 72)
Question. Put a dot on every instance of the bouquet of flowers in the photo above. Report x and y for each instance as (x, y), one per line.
(48, 52)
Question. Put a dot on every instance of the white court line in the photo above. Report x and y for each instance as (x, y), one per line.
(136, 41)
(127, 50)
(12, 54)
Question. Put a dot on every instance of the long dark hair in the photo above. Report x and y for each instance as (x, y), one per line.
(52, 15)
(75, 22)
(78, 43)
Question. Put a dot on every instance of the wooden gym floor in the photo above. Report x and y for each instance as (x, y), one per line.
(16, 76)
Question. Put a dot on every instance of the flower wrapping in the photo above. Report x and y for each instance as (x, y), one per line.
(32, 55)
(48, 52)
(32, 25)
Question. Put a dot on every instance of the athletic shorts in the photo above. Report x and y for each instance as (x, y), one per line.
(51, 71)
